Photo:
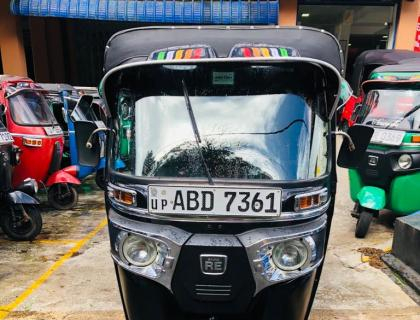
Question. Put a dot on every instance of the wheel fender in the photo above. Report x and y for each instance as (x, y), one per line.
(101, 164)
(19, 197)
(119, 164)
(61, 177)
(372, 198)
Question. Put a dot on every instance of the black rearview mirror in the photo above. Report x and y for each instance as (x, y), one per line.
(82, 108)
(353, 148)
(88, 156)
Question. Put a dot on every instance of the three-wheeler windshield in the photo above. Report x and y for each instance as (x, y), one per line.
(392, 109)
(244, 122)
(29, 108)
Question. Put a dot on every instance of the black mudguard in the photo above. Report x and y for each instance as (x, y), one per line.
(19, 197)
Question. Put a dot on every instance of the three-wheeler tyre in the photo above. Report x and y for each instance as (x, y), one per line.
(27, 229)
(100, 179)
(62, 196)
(363, 224)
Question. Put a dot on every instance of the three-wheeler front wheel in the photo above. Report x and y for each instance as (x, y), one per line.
(24, 225)
(363, 223)
(62, 196)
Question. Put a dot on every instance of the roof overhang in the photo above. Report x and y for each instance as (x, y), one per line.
(331, 73)
(153, 11)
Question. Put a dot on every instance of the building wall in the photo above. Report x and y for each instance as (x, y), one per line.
(288, 12)
(11, 44)
(406, 30)
(55, 58)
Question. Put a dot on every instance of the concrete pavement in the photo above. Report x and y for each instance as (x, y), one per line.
(40, 280)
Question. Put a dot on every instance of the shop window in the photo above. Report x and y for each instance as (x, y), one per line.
(358, 28)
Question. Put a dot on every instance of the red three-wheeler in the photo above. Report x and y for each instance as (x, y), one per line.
(37, 133)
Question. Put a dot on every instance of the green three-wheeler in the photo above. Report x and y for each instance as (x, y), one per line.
(389, 175)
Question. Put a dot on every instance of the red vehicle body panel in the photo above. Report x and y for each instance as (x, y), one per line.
(35, 160)
(348, 110)
(63, 176)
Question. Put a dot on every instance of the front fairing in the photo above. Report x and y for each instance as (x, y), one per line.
(246, 294)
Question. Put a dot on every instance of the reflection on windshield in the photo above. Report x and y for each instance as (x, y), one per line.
(30, 108)
(388, 108)
(271, 137)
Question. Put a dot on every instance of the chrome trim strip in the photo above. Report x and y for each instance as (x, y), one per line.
(252, 237)
(162, 232)
(35, 136)
(410, 144)
(284, 216)
(307, 194)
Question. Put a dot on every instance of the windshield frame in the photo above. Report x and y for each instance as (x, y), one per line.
(263, 60)
(392, 118)
(226, 181)
(11, 106)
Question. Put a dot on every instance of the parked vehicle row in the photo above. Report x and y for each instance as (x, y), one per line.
(39, 120)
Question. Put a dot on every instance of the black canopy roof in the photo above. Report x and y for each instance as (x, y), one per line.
(412, 66)
(136, 44)
(57, 87)
(397, 84)
(374, 59)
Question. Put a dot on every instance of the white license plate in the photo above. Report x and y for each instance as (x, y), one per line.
(215, 201)
(53, 131)
(389, 137)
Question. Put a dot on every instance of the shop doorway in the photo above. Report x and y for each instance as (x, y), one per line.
(358, 28)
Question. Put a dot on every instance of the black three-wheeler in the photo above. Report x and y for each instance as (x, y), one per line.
(224, 207)
(20, 217)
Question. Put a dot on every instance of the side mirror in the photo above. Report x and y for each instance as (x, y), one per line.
(88, 156)
(354, 146)
(82, 108)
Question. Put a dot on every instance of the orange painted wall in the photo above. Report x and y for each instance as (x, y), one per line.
(406, 29)
(11, 45)
(288, 12)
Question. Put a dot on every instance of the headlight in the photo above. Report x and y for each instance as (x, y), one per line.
(290, 255)
(405, 161)
(139, 251)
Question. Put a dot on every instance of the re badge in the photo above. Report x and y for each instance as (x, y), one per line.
(213, 264)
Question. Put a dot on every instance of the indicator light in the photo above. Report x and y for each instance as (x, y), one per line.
(31, 142)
